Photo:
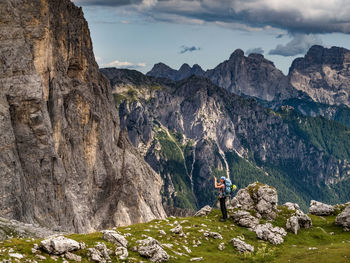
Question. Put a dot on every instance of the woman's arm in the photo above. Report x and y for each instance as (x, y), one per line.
(216, 185)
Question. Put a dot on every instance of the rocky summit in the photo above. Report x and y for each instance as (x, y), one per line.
(203, 237)
(64, 162)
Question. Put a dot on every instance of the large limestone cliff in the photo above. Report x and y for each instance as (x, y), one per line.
(64, 162)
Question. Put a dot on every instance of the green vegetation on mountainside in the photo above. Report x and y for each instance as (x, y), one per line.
(172, 153)
(323, 243)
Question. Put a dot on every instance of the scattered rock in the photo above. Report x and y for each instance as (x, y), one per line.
(245, 219)
(72, 256)
(241, 246)
(59, 245)
(151, 248)
(16, 255)
(162, 232)
(294, 223)
(343, 219)
(204, 211)
(96, 255)
(177, 229)
(189, 251)
(214, 235)
(196, 259)
(122, 252)
(320, 209)
(114, 237)
(40, 257)
(221, 246)
(269, 233)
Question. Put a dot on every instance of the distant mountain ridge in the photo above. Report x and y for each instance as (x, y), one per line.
(322, 75)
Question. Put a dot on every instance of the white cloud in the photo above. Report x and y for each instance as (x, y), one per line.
(125, 64)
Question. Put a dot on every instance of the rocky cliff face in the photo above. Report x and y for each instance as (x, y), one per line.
(192, 129)
(323, 74)
(64, 162)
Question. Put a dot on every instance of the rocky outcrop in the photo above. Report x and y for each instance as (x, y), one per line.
(152, 249)
(269, 233)
(63, 162)
(204, 211)
(241, 246)
(59, 245)
(320, 209)
(114, 237)
(298, 219)
(245, 219)
(343, 219)
(323, 74)
(259, 197)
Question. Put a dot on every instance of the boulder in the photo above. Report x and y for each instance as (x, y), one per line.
(221, 246)
(320, 209)
(245, 219)
(241, 246)
(294, 207)
(214, 235)
(293, 224)
(298, 219)
(177, 229)
(122, 252)
(196, 259)
(114, 237)
(95, 255)
(260, 197)
(151, 248)
(204, 211)
(73, 257)
(243, 200)
(269, 233)
(59, 245)
(343, 219)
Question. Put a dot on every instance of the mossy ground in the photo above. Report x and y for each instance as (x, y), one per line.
(333, 247)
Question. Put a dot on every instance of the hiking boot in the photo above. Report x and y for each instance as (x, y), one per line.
(222, 220)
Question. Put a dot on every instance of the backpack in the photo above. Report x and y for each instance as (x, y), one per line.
(228, 186)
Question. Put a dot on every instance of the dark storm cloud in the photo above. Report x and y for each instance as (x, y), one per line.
(299, 45)
(106, 2)
(257, 50)
(185, 49)
(296, 16)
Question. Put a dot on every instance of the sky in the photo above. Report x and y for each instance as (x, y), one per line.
(136, 34)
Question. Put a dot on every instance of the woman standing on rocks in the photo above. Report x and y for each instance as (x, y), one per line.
(222, 197)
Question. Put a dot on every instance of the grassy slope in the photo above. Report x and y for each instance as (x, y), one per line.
(330, 248)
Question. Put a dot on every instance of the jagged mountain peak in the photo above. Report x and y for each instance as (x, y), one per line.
(238, 53)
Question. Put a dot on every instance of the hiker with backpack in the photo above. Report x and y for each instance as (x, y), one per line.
(225, 188)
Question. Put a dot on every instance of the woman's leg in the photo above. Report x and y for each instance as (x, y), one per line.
(223, 207)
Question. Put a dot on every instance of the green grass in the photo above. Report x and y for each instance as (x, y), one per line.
(330, 248)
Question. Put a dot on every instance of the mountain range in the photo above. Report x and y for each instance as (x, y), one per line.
(189, 128)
